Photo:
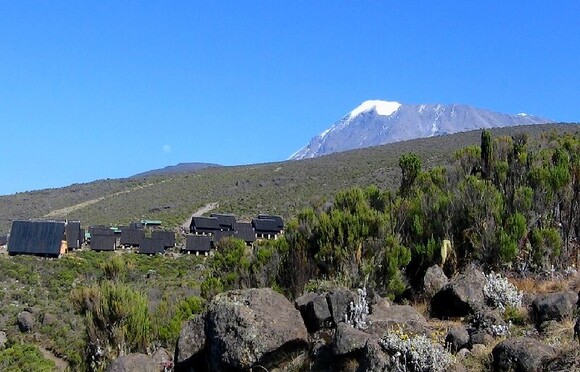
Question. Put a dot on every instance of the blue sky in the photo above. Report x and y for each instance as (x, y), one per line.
(108, 89)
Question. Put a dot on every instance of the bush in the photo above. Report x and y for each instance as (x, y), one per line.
(416, 353)
(24, 357)
(116, 318)
(500, 293)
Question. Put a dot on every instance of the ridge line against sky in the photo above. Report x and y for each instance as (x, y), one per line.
(93, 90)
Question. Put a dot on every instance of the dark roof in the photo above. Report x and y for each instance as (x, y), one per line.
(278, 219)
(3, 239)
(245, 231)
(136, 225)
(225, 221)
(266, 226)
(219, 235)
(100, 230)
(36, 237)
(152, 246)
(103, 242)
(204, 224)
(168, 237)
(74, 237)
(200, 243)
(131, 236)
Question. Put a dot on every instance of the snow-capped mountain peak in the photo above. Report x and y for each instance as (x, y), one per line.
(383, 108)
(377, 122)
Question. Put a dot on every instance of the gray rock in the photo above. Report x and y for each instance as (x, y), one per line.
(25, 321)
(190, 348)
(457, 338)
(521, 354)
(162, 358)
(348, 340)
(374, 359)
(434, 280)
(553, 306)
(3, 340)
(338, 302)
(254, 326)
(486, 320)
(48, 319)
(314, 310)
(396, 316)
(463, 353)
(480, 337)
(461, 296)
(133, 363)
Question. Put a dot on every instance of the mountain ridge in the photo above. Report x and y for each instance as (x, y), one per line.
(377, 122)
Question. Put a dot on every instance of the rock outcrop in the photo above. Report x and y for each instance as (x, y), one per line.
(521, 354)
(25, 321)
(434, 280)
(252, 327)
(190, 348)
(461, 296)
(553, 306)
(314, 310)
(134, 363)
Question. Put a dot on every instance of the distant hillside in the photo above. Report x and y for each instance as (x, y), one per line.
(282, 188)
(179, 168)
(378, 122)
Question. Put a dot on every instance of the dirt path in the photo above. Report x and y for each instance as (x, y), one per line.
(61, 364)
(201, 211)
(65, 211)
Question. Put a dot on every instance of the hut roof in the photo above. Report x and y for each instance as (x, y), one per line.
(74, 237)
(168, 237)
(278, 219)
(245, 231)
(266, 226)
(36, 237)
(219, 235)
(225, 221)
(103, 242)
(152, 246)
(199, 243)
(204, 224)
(131, 236)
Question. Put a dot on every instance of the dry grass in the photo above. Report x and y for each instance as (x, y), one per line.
(538, 286)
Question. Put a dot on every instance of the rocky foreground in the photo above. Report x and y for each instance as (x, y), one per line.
(260, 330)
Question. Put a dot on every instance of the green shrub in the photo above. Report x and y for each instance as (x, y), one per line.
(24, 357)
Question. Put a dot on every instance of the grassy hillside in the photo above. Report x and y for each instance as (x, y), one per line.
(283, 188)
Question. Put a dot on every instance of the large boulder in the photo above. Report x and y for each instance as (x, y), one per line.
(403, 317)
(374, 358)
(348, 340)
(461, 296)
(457, 338)
(522, 354)
(553, 306)
(252, 327)
(434, 280)
(314, 310)
(25, 321)
(339, 301)
(163, 359)
(190, 348)
(134, 363)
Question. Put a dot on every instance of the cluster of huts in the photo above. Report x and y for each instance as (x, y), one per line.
(55, 238)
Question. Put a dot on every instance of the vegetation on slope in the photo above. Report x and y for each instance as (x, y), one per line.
(282, 188)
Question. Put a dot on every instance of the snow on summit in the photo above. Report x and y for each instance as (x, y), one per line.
(383, 108)
(389, 121)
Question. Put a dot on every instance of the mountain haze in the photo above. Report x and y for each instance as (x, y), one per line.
(378, 122)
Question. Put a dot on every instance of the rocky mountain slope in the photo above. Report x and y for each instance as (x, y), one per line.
(378, 122)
